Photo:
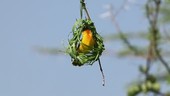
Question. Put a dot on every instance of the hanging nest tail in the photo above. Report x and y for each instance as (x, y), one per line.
(89, 57)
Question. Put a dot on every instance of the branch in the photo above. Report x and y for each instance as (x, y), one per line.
(124, 39)
(101, 69)
(153, 17)
(122, 36)
(83, 7)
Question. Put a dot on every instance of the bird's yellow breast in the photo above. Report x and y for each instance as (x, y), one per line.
(87, 42)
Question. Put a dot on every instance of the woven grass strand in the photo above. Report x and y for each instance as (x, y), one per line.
(94, 54)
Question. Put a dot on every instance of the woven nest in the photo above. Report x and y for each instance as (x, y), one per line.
(80, 58)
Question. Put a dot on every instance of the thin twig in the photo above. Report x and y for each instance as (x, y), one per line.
(87, 13)
(123, 37)
(149, 60)
(150, 49)
(103, 77)
(153, 50)
(83, 6)
(155, 32)
(157, 2)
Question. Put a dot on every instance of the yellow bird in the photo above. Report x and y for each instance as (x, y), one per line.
(87, 43)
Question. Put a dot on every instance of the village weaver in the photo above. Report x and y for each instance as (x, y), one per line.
(86, 44)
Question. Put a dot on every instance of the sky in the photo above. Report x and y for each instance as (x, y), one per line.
(27, 24)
